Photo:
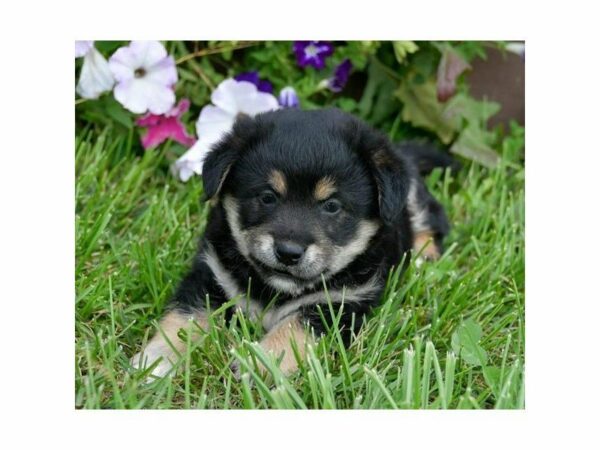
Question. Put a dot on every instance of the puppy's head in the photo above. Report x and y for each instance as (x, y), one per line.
(304, 192)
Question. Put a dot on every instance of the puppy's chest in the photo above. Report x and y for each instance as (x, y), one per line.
(271, 311)
(260, 302)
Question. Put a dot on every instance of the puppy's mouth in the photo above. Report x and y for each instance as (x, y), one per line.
(281, 272)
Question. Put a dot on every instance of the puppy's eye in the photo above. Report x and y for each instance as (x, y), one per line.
(331, 206)
(268, 198)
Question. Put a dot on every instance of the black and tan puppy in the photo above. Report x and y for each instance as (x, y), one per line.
(301, 198)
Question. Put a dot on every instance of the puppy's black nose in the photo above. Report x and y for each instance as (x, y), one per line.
(288, 253)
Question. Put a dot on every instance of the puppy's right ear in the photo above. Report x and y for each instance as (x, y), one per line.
(225, 153)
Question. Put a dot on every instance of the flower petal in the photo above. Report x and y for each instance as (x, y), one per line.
(122, 64)
(139, 95)
(148, 53)
(82, 48)
(257, 103)
(179, 109)
(148, 120)
(163, 72)
(169, 127)
(213, 123)
(288, 98)
(312, 53)
(191, 161)
(242, 97)
(265, 86)
(164, 126)
(227, 93)
(95, 77)
(179, 134)
(251, 77)
(340, 77)
(151, 56)
(155, 135)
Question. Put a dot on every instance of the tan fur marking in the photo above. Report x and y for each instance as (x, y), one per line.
(324, 188)
(277, 181)
(278, 342)
(424, 243)
(175, 321)
(166, 344)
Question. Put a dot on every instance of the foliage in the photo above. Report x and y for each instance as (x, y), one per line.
(396, 86)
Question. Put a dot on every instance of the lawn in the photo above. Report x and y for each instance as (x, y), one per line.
(448, 334)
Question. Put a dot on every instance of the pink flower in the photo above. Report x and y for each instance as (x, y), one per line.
(164, 126)
(145, 76)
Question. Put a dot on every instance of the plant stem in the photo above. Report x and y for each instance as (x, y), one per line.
(210, 51)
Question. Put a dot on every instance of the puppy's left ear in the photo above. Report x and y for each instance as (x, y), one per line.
(225, 153)
(389, 170)
(392, 182)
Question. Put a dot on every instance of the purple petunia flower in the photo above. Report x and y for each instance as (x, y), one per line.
(252, 77)
(340, 76)
(312, 53)
(288, 98)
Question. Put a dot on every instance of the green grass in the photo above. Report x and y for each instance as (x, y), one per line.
(449, 334)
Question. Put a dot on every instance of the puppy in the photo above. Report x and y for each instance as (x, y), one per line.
(301, 200)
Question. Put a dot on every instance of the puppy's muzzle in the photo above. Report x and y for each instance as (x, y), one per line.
(289, 253)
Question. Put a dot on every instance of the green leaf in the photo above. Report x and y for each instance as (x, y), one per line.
(422, 109)
(347, 104)
(424, 63)
(403, 48)
(455, 342)
(118, 114)
(473, 111)
(492, 376)
(467, 336)
(377, 101)
(472, 145)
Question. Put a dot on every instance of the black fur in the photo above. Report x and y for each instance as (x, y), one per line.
(426, 157)
(372, 180)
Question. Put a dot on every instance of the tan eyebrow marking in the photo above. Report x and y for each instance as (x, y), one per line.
(324, 188)
(277, 181)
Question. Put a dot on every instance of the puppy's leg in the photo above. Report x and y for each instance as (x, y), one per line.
(424, 245)
(166, 345)
(428, 221)
(292, 330)
(279, 342)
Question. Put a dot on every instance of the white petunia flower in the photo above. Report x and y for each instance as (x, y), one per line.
(82, 47)
(95, 77)
(145, 76)
(230, 99)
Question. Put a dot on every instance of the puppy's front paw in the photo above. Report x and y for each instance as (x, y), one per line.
(426, 248)
(147, 358)
(278, 343)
